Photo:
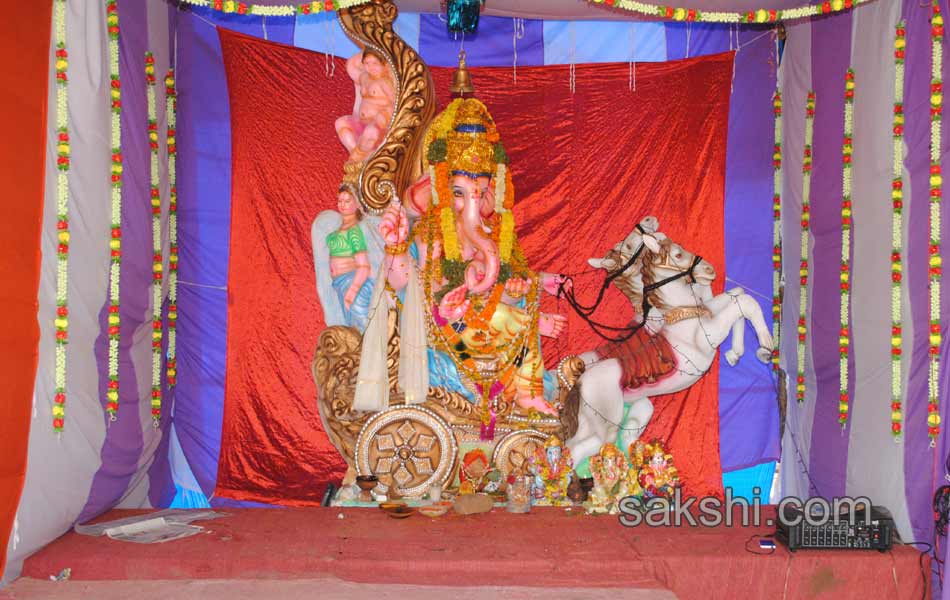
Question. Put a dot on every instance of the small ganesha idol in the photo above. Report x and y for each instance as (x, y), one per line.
(651, 474)
(609, 469)
(552, 469)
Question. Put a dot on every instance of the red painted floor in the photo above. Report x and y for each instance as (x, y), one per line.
(300, 589)
(546, 548)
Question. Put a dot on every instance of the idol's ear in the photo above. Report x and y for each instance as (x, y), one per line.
(651, 243)
(418, 196)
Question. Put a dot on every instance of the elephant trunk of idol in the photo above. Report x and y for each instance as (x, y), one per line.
(483, 268)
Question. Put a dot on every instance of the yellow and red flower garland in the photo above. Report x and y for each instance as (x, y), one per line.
(156, 205)
(777, 232)
(286, 10)
(803, 265)
(760, 15)
(897, 235)
(660, 11)
(844, 334)
(171, 373)
(936, 189)
(61, 322)
(115, 237)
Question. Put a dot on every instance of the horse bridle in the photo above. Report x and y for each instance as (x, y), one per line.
(658, 284)
(688, 272)
(586, 311)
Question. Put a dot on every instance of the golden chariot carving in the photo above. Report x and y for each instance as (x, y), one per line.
(367, 438)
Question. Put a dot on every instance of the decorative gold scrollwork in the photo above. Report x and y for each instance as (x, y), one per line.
(398, 160)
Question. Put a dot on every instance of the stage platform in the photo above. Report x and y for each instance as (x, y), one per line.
(588, 557)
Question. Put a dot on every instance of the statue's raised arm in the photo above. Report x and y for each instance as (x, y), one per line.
(363, 131)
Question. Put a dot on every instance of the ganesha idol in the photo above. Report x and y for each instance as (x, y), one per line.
(481, 300)
(442, 319)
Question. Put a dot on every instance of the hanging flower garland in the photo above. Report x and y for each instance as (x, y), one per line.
(844, 334)
(777, 232)
(803, 265)
(761, 15)
(897, 234)
(286, 10)
(61, 322)
(115, 237)
(936, 188)
(156, 202)
(672, 13)
(170, 109)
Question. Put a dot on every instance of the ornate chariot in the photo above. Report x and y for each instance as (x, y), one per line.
(414, 446)
(410, 446)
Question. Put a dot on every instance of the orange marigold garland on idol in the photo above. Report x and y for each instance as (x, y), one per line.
(844, 334)
(157, 259)
(897, 235)
(803, 265)
(61, 322)
(936, 190)
(115, 236)
(777, 232)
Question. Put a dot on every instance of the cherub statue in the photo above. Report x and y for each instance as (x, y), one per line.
(552, 469)
(609, 469)
(347, 251)
(477, 475)
(362, 131)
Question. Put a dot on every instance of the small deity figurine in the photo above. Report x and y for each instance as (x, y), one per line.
(609, 469)
(652, 474)
(552, 469)
(362, 131)
(476, 474)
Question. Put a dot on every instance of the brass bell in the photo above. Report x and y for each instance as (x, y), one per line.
(462, 79)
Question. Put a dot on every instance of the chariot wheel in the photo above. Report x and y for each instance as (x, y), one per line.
(411, 447)
(514, 450)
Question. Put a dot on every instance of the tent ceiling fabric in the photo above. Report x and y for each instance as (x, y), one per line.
(582, 10)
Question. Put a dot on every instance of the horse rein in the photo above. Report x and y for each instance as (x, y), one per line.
(586, 311)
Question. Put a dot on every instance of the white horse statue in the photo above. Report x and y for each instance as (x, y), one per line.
(684, 327)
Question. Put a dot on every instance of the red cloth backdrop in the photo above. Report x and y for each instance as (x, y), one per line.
(586, 165)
